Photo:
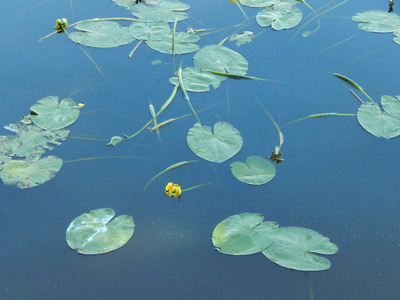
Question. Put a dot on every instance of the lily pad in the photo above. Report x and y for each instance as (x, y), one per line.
(257, 171)
(219, 146)
(381, 124)
(91, 233)
(183, 43)
(397, 38)
(115, 140)
(165, 10)
(243, 234)
(377, 21)
(30, 140)
(29, 173)
(283, 15)
(101, 34)
(144, 29)
(198, 80)
(128, 4)
(293, 249)
(220, 59)
(48, 114)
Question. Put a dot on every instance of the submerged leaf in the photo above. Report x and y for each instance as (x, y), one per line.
(264, 3)
(381, 124)
(256, 171)
(293, 246)
(220, 59)
(377, 21)
(29, 173)
(91, 233)
(244, 234)
(48, 114)
(165, 10)
(101, 34)
(242, 38)
(283, 15)
(219, 146)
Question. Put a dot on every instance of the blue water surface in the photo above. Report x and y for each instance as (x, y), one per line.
(337, 179)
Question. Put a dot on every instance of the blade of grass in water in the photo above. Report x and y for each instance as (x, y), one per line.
(185, 95)
(348, 80)
(174, 166)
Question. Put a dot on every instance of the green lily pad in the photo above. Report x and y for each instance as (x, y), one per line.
(257, 171)
(48, 114)
(377, 21)
(165, 10)
(29, 173)
(397, 37)
(144, 30)
(198, 80)
(30, 140)
(381, 124)
(128, 4)
(91, 233)
(101, 34)
(293, 247)
(243, 234)
(220, 59)
(283, 15)
(183, 43)
(219, 146)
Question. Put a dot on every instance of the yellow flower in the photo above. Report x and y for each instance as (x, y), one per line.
(173, 190)
(233, 1)
(81, 105)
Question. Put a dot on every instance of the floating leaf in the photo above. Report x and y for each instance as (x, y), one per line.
(145, 29)
(397, 38)
(198, 80)
(219, 146)
(183, 43)
(293, 246)
(242, 38)
(29, 173)
(220, 59)
(91, 233)
(283, 15)
(243, 234)
(30, 140)
(115, 140)
(257, 171)
(101, 34)
(128, 4)
(377, 21)
(48, 114)
(165, 10)
(381, 124)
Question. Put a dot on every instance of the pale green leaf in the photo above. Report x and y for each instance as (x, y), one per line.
(293, 248)
(101, 34)
(243, 234)
(377, 21)
(283, 15)
(91, 233)
(256, 171)
(219, 146)
(48, 114)
(164, 10)
(29, 173)
(198, 80)
(145, 29)
(183, 43)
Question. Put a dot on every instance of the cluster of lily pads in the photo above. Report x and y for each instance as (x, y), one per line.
(243, 234)
(21, 161)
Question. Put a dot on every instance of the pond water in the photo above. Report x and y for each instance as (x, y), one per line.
(337, 179)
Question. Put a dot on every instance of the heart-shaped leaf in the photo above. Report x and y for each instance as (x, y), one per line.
(219, 146)
(257, 171)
